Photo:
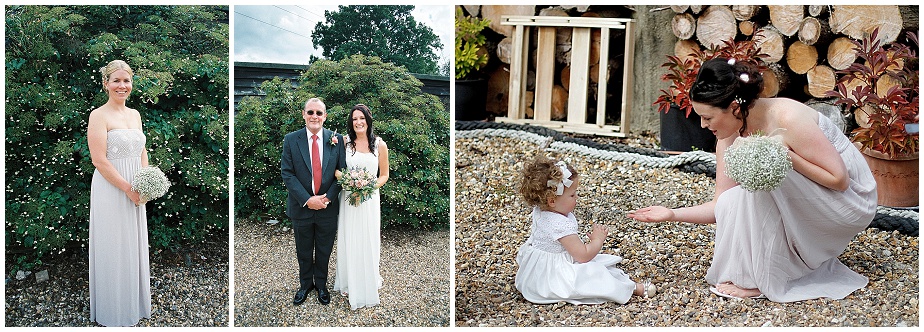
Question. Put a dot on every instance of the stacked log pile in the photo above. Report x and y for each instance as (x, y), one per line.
(805, 45)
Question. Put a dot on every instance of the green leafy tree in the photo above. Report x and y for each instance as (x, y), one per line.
(445, 69)
(53, 54)
(388, 32)
(413, 123)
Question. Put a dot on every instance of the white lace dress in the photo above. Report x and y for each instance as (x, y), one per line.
(548, 274)
(359, 240)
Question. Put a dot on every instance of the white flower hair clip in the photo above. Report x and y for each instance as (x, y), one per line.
(565, 182)
(739, 100)
(731, 62)
(744, 77)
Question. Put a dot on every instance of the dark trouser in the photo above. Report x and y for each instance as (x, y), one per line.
(314, 242)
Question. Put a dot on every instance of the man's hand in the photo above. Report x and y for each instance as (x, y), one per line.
(318, 202)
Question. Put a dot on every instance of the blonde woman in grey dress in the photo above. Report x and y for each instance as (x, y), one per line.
(780, 244)
(120, 289)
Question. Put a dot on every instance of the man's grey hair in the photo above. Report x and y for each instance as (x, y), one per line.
(315, 100)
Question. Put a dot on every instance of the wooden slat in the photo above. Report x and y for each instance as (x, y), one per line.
(561, 21)
(524, 71)
(516, 103)
(577, 94)
(627, 77)
(545, 75)
(603, 78)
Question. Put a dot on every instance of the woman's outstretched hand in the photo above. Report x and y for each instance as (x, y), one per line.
(652, 214)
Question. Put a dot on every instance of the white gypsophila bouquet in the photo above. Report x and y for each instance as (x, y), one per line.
(150, 183)
(757, 162)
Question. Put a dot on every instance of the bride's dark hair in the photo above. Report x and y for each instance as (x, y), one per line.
(721, 81)
(369, 134)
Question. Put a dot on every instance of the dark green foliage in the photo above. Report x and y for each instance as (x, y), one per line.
(53, 54)
(413, 124)
(388, 32)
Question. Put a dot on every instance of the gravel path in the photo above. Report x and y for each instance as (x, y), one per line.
(187, 289)
(491, 222)
(414, 266)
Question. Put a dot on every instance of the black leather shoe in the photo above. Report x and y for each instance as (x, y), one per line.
(323, 295)
(301, 295)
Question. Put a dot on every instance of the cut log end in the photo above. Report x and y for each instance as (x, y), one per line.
(770, 42)
(786, 18)
(801, 57)
(821, 79)
(683, 26)
(715, 26)
(841, 53)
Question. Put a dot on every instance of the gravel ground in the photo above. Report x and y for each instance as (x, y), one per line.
(414, 266)
(491, 222)
(189, 288)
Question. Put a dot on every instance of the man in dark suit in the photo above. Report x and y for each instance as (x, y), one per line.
(310, 156)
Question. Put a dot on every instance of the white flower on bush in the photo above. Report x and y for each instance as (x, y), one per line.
(757, 162)
(150, 183)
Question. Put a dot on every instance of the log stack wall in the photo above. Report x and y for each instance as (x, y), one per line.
(805, 45)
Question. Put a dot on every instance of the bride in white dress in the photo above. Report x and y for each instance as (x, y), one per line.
(358, 226)
(781, 244)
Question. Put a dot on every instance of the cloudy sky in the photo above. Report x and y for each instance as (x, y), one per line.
(282, 34)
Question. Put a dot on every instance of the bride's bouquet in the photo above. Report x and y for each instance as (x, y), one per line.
(359, 182)
(757, 162)
(150, 183)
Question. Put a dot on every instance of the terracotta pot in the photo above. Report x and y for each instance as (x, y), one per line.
(896, 179)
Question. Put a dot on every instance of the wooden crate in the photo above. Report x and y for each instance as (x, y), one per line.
(580, 57)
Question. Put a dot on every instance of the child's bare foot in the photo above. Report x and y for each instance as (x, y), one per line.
(735, 291)
(645, 289)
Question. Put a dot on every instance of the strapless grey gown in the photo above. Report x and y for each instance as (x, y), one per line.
(120, 286)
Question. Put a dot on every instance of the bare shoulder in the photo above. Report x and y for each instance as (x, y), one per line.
(97, 112)
(137, 116)
(791, 112)
(98, 117)
(724, 143)
(380, 143)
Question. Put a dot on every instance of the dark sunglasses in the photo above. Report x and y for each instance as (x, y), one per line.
(311, 112)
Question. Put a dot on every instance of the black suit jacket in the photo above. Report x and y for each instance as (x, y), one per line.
(296, 173)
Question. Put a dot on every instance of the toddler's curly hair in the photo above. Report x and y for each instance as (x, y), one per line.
(534, 180)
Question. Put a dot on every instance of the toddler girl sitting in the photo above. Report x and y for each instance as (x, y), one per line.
(554, 264)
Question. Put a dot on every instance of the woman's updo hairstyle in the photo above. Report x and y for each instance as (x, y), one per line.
(112, 67)
(721, 81)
